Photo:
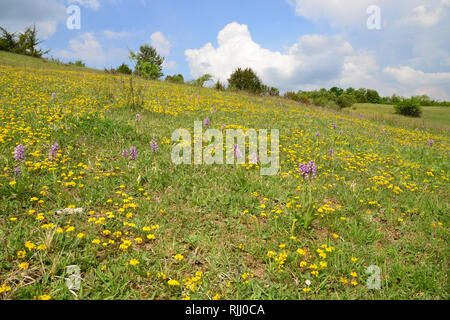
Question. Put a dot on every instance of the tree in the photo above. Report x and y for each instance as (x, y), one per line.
(345, 100)
(245, 79)
(123, 68)
(148, 62)
(350, 91)
(372, 96)
(337, 91)
(28, 42)
(395, 99)
(8, 41)
(25, 43)
(360, 95)
(424, 100)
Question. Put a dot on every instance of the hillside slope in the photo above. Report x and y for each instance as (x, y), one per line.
(150, 229)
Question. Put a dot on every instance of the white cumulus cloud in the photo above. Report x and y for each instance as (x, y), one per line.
(92, 4)
(88, 49)
(170, 65)
(314, 61)
(426, 17)
(116, 35)
(16, 15)
(409, 76)
(160, 43)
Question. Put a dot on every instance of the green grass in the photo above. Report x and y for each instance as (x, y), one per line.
(381, 198)
(8, 58)
(432, 117)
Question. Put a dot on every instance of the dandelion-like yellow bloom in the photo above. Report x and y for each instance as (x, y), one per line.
(178, 257)
(24, 265)
(173, 283)
(134, 262)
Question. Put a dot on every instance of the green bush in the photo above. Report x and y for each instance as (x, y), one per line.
(123, 68)
(273, 91)
(320, 101)
(291, 95)
(77, 63)
(345, 100)
(200, 82)
(333, 105)
(372, 96)
(110, 70)
(303, 98)
(409, 107)
(176, 78)
(219, 86)
(245, 79)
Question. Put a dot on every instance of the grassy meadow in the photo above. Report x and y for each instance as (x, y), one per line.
(150, 229)
(432, 117)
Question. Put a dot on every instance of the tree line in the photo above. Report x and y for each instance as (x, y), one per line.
(148, 63)
(345, 98)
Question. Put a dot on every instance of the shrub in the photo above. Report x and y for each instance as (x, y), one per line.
(123, 68)
(409, 107)
(291, 95)
(273, 92)
(345, 100)
(219, 86)
(200, 82)
(303, 98)
(110, 70)
(176, 78)
(333, 105)
(245, 79)
(77, 63)
(55, 60)
(320, 101)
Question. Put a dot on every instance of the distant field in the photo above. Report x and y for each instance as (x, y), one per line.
(373, 223)
(434, 117)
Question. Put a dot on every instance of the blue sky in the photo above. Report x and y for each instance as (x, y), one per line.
(291, 44)
(185, 24)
